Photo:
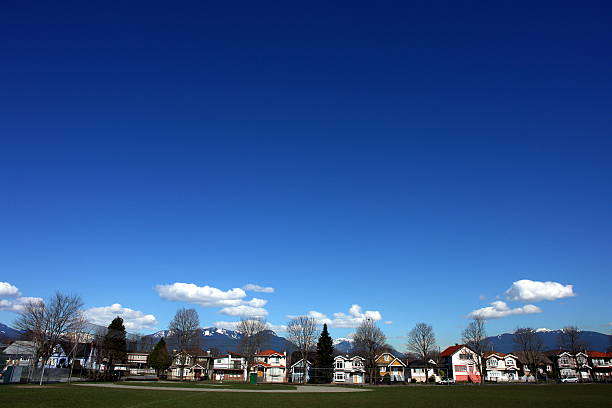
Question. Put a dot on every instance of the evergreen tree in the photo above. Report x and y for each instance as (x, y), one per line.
(325, 356)
(159, 359)
(114, 344)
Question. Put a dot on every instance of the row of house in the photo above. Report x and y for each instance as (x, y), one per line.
(458, 362)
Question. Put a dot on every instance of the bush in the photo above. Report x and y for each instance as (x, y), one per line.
(413, 380)
(431, 379)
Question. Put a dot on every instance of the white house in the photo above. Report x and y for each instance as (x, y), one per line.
(270, 366)
(298, 369)
(420, 372)
(229, 367)
(349, 370)
(461, 363)
(501, 367)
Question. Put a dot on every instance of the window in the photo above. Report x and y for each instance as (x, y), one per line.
(564, 361)
(492, 362)
(339, 376)
(340, 364)
(509, 362)
(387, 358)
(465, 356)
(357, 363)
(460, 369)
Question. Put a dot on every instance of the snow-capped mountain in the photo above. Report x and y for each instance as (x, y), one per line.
(223, 340)
(8, 332)
(596, 341)
(343, 345)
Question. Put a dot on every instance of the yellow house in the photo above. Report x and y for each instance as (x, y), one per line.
(389, 365)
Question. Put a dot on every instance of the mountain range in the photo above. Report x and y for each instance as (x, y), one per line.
(550, 338)
(224, 340)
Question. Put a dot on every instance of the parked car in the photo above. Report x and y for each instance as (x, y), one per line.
(447, 381)
(569, 380)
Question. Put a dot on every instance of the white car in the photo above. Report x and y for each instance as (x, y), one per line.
(569, 380)
(447, 381)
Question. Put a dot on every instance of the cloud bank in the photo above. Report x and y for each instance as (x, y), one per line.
(132, 319)
(500, 309)
(535, 291)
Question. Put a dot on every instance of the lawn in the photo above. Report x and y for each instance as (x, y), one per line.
(239, 386)
(500, 396)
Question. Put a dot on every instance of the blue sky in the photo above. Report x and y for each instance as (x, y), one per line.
(415, 160)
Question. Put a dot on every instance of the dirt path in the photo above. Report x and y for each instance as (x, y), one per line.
(300, 388)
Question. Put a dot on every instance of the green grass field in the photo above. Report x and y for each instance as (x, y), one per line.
(498, 396)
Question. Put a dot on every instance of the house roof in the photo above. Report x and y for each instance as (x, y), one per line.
(266, 353)
(21, 347)
(449, 351)
(308, 363)
(421, 363)
(495, 353)
(599, 354)
(542, 358)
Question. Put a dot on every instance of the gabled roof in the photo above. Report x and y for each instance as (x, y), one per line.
(599, 354)
(495, 354)
(266, 353)
(21, 347)
(542, 358)
(449, 351)
(308, 363)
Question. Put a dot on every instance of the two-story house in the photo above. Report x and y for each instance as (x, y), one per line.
(544, 366)
(192, 365)
(349, 370)
(270, 366)
(567, 364)
(501, 367)
(300, 371)
(461, 363)
(229, 367)
(387, 365)
(601, 364)
(423, 371)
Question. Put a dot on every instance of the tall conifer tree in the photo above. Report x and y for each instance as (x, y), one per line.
(325, 356)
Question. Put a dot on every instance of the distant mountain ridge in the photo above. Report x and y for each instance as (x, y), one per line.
(596, 341)
(8, 332)
(224, 340)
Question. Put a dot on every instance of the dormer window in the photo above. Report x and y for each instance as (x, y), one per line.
(387, 358)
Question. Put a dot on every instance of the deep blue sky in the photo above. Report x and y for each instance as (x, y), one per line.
(407, 157)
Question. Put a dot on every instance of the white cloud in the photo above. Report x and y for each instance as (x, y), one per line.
(232, 302)
(526, 290)
(500, 309)
(132, 319)
(16, 305)
(201, 295)
(244, 311)
(8, 290)
(256, 288)
(342, 320)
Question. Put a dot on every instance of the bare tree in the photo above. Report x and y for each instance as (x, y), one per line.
(475, 338)
(253, 333)
(74, 339)
(530, 345)
(370, 341)
(422, 343)
(570, 339)
(49, 321)
(184, 327)
(303, 332)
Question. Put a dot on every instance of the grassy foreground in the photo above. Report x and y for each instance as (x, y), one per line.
(499, 396)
